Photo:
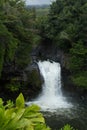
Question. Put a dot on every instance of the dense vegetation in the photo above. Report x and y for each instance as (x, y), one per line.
(23, 28)
(66, 26)
(41, 10)
(17, 33)
(17, 37)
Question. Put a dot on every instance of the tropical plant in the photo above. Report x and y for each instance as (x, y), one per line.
(67, 127)
(19, 117)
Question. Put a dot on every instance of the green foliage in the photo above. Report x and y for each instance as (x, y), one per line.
(66, 20)
(13, 87)
(18, 35)
(36, 40)
(20, 117)
(42, 11)
(78, 62)
(67, 127)
(8, 45)
(20, 101)
(80, 79)
(76, 65)
(35, 79)
(78, 49)
(2, 51)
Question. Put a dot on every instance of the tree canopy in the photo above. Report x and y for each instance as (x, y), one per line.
(17, 32)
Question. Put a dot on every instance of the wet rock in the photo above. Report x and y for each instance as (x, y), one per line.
(51, 52)
(34, 81)
(33, 75)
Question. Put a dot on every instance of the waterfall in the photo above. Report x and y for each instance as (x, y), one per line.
(51, 96)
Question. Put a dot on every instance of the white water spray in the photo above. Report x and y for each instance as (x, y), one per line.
(51, 97)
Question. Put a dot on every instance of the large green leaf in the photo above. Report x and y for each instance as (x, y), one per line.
(39, 119)
(33, 115)
(24, 123)
(32, 111)
(41, 127)
(30, 128)
(33, 108)
(2, 117)
(1, 102)
(20, 101)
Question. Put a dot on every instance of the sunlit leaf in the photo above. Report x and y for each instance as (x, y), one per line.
(20, 101)
(23, 123)
(30, 128)
(39, 119)
(1, 102)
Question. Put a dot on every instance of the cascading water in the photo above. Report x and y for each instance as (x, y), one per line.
(55, 107)
(51, 97)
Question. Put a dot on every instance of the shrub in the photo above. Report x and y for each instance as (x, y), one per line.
(19, 117)
(67, 127)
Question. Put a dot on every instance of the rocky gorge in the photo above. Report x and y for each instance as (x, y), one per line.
(29, 80)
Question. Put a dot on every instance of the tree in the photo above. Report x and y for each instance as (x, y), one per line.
(8, 45)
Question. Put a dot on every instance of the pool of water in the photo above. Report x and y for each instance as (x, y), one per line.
(76, 116)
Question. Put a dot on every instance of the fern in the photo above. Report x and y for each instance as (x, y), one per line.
(67, 127)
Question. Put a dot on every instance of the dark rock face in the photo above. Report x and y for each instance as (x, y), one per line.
(15, 81)
(34, 80)
(33, 75)
(51, 52)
